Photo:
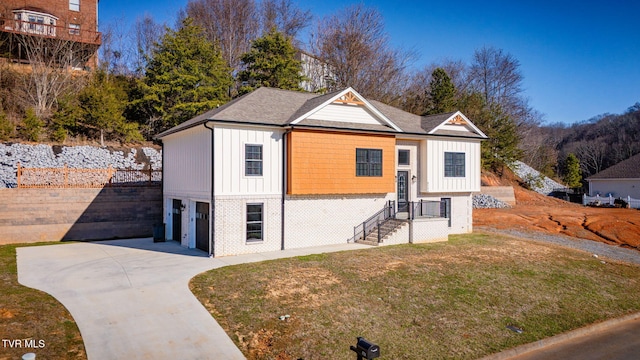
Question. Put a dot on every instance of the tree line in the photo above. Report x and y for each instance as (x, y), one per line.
(153, 76)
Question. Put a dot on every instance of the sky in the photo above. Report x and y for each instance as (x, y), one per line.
(579, 59)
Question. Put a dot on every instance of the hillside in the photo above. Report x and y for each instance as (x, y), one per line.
(535, 212)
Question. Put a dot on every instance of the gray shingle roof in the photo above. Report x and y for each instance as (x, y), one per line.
(268, 106)
(627, 169)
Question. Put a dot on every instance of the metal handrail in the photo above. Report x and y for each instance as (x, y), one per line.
(361, 231)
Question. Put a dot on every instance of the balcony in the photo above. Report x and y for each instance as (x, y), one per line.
(71, 32)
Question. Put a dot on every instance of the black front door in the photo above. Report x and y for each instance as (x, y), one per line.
(403, 191)
(202, 226)
(176, 220)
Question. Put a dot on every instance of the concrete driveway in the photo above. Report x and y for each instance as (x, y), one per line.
(131, 300)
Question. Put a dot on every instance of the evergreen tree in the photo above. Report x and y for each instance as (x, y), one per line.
(271, 62)
(572, 175)
(65, 119)
(102, 105)
(185, 76)
(502, 146)
(31, 126)
(6, 127)
(443, 93)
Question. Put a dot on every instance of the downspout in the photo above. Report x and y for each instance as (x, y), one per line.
(284, 184)
(212, 202)
(164, 202)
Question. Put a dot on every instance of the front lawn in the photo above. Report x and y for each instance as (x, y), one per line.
(450, 300)
(31, 320)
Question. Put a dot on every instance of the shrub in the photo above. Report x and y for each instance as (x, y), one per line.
(31, 126)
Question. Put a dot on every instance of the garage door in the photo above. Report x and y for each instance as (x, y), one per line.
(202, 226)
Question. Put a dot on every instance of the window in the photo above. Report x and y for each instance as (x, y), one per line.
(253, 160)
(74, 5)
(74, 29)
(454, 164)
(403, 157)
(368, 162)
(254, 222)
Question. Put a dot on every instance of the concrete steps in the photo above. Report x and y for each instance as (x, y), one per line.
(390, 226)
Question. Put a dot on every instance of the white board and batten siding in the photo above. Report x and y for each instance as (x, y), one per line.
(345, 113)
(230, 178)
(432, 175)
(187, 164)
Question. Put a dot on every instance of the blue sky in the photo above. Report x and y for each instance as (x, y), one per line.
(579, 58)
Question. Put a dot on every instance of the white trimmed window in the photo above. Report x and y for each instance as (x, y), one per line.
(368, 162)
(403, 157)
(252, 160)
(74, 5)
(255, 222)
(74, 29)
(454, 165)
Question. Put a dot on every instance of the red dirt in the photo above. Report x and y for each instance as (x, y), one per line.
(537, 212)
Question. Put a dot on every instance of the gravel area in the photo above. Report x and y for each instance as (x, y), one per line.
(81, 157)
(593, 247)
(484, 201)
(536, 181)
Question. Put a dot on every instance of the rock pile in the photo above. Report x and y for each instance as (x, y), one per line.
(536, 181)
(81, 157)
(484, 201)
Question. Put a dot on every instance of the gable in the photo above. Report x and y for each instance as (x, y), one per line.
(457, 125)
(346, 109)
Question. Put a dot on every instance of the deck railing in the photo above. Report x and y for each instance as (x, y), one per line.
(66, 177)
(428, 209)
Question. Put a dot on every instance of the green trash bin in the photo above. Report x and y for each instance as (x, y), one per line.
(158, 232)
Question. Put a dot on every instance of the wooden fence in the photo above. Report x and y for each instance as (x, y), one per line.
(66, 177)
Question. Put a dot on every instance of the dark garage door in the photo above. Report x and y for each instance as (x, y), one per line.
(202, 226)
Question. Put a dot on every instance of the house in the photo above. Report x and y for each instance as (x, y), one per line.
(62, 26)
(277, 169)
(620, 180)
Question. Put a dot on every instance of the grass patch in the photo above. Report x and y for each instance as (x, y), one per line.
(449, 300)
(29, 314)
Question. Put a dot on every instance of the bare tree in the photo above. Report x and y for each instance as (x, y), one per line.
(284, 16)
(231, 24)
(54, 64)
(592, 155)
(496, 75)
(147, 34)
(357, 50)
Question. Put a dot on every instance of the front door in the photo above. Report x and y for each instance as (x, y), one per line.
(202, 226)
(403, 191)
(176, 219)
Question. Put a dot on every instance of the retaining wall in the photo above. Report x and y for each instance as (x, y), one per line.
(33, 215)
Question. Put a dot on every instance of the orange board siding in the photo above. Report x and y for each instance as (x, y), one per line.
(325, 163)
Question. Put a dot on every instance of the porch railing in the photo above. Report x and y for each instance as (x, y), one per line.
(361, 231)
(428, 209)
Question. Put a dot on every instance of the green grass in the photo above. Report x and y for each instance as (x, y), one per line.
(27, 313)
(449, 300)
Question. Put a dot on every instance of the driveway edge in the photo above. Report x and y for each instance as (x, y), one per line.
(589, 329)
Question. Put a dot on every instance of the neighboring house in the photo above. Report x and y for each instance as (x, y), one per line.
(278, 169)
(318, 76)
(620, 180)
(72, 21)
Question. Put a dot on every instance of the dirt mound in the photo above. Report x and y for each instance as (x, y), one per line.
(537, 212)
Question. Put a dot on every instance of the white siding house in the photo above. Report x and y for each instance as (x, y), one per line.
(620, 181)
(277, 169)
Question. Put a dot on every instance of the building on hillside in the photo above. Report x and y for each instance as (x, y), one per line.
(278, 169)
(318, 76)
(67, 29)
(621, 180)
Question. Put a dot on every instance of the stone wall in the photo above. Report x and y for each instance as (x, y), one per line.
(33, 215)
(82, 157)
